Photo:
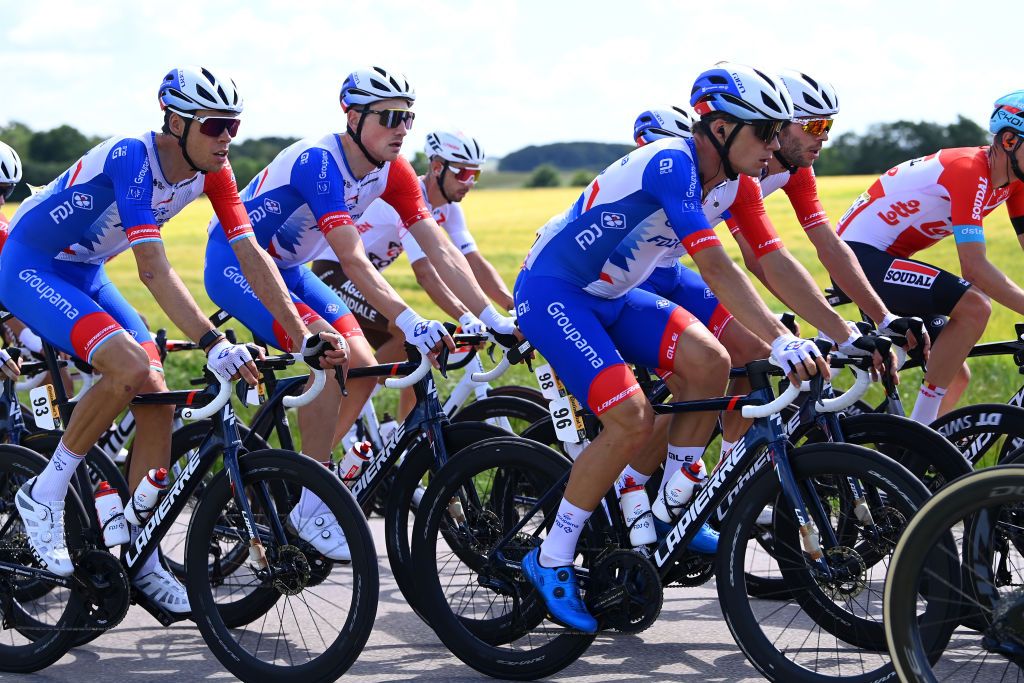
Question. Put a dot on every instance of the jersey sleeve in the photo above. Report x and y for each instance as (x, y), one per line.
(402, 192)
(751, 220)
(131, 175)
(318, 180)
(455, 225)
(966, 180)
(802, 190)
(222, 190)
(671, 178)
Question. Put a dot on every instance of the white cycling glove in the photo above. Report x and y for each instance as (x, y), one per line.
(8, 366)
(422, 333)
(30, 340)
(496, 321)
(788, 351)
(471, 324)
(846, 347)
(225, 359)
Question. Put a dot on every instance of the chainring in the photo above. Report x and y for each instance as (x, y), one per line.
(693, 570)
(102, 582)
(625, 591)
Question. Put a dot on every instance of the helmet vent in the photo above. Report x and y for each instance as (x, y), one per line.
(769, 103)
(378, 85)
(3, 170)
(203, 92)
(209, 76)
(813, 102)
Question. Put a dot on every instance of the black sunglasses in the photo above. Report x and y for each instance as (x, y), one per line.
(766, 130)
(393, 118)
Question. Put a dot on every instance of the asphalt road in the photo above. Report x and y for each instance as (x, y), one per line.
(690, 642)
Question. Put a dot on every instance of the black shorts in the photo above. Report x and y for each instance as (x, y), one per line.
(372, 321)
(909, 287)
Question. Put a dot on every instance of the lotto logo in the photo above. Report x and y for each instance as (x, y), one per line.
(910, 274)
(271, 205)
(900, 210)
(81, 200)
(614, 221)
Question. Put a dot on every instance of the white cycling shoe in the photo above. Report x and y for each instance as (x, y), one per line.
(320, 529)
(44, 524)
(164, 589)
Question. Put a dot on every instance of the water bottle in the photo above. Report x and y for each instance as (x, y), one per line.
(147, 495)
(388, 426)
(110, 513)
(352, 463)
(679, 491)
(636, 509)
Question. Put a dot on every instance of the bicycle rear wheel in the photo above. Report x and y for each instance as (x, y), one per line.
(318, 614)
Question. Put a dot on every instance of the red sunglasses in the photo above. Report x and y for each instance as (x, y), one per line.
(463, 175)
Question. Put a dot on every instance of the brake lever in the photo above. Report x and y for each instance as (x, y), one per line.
(339, 375)
(445, 352)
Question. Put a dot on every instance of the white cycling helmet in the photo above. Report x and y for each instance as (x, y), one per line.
(10, 165)
(374, 84)
(192, 88)
(455, 147)
(742, 92)
(655, 124)
(812, 99)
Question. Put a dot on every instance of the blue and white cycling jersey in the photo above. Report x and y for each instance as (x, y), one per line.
(308, 190)
(638, 210)
(116, 196)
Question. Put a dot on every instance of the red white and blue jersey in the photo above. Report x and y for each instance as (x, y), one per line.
(3, 230)
(637, 210)
(308, 190)
(385, 236)
(117, 196)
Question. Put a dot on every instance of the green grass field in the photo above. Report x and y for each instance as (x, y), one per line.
(504, 221)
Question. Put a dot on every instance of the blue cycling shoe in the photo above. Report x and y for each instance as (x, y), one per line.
(561, 594)
(705, 542)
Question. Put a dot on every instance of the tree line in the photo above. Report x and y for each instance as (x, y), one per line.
(47, 154)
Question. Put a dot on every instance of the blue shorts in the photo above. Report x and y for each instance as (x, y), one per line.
(686, 287)
(229, 289)
(588, 340)
(74, 306)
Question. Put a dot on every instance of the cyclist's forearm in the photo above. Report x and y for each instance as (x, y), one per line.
(993, 282)
(436, 289)
(176, 301)
(735, 291)
(372, 284)
(268, 285)
(490, 282)
(450, 264)
(800, 293)
(841, 264)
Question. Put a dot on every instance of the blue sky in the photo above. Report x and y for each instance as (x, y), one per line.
(510, 73)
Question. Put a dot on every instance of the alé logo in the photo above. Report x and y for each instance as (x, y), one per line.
(898, 210)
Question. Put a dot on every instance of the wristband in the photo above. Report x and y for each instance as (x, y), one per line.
(887, 320)
(210, 338)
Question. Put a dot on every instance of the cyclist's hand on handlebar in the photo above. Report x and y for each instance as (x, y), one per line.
(799, 358)
(10, 367)
(470, 324)
(425, 335)
(497, 322)
(883, 358)
(232, 361)
(324, 350)
(910, 327)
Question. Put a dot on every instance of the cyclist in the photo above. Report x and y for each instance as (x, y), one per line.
(912, 207)
(10, 176)
(114, 198)
(578, 302)
(455, 161)
(311, 194)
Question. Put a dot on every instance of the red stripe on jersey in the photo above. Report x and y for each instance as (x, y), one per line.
(700, 240)
(139, 233)
(612, 386)
(78, 169)
(266, 172)
(914, 267)
(593, 196)
(332, 220)
(308, 315)
(678, 320)
(90, 331)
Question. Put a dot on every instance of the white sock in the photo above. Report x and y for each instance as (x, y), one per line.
(639, 479)
(726, 447)
(926, 408)
(52, 484)
(678, 458)
(309, 503)
(154, 557)
(559, 547)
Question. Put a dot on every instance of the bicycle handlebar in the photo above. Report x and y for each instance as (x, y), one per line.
(211, 408)
(787, 397)
(494, 373)
(319, 382)
(851, 396)
(410, 379)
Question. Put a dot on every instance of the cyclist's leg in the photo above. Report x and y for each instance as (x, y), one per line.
(911, 287)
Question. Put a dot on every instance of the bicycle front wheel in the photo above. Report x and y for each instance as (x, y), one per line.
(318, 614)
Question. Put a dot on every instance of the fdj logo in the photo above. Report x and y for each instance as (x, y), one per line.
(589, 236)
(613, 221)
(81, 200)
(271, 205)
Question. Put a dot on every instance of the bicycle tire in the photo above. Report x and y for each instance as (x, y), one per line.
(531, 394)
(520, 412)
(760, 627)
(916, 648)
(976, 430)
(273, 480)
(489, 652)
